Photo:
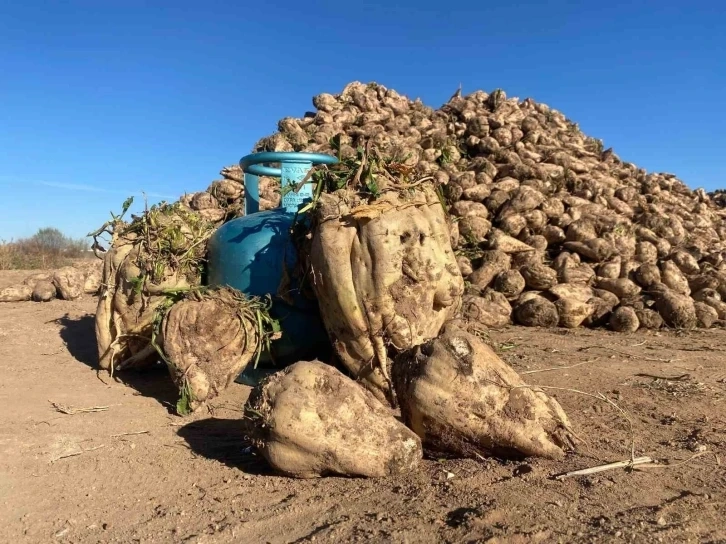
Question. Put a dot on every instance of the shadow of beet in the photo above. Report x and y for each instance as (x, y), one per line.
(79, 336)
(462, 516)
(224, 440)
(153, 382)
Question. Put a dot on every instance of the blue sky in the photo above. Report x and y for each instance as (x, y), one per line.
(103, 99)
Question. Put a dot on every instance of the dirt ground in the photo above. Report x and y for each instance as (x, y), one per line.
(135, 472)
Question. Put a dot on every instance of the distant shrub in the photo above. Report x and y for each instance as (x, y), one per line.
(47, 248)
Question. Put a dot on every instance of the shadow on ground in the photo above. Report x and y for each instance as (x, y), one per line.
(153, 382)
(79, 336)
(224, 440)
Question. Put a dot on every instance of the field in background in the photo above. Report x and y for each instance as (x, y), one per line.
(46, 249)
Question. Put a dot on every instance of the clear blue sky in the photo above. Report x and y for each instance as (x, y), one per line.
(103, 99)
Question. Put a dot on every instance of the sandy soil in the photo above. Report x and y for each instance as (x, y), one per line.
(135, 472)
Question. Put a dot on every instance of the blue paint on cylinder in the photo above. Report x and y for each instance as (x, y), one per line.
(248, 253)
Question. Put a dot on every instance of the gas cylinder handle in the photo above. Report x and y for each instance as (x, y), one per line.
(252, 164)
(294, 168)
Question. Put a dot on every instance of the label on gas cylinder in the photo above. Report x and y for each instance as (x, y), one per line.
(292, 174)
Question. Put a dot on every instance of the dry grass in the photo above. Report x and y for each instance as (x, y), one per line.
(46, 249)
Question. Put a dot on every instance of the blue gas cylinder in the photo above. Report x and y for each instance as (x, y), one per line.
(248, 253)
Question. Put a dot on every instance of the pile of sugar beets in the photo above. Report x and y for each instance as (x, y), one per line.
(67, 283)
(435, 225)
